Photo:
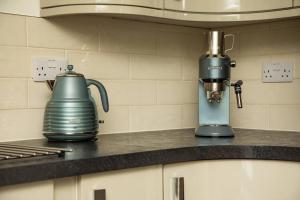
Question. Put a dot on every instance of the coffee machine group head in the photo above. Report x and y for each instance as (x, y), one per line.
(214, 87)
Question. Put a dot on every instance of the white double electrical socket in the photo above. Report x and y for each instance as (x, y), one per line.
(45, 68)
(275, 72)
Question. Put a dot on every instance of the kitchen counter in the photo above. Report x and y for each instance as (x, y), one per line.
(129, 150)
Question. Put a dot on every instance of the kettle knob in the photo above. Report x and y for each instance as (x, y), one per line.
(70, 67)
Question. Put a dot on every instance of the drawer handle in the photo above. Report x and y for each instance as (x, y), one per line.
(99, 194)
(178, 188)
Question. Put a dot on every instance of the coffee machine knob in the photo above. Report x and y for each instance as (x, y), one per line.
(232, 63)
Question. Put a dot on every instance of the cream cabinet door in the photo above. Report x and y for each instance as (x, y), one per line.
(29, 191)
(297, 3)
(20, 7)
(226, 5)
(233, 180)
(143, 3)
(133, 184)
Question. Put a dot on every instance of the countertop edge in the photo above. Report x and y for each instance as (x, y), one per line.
(68, 168)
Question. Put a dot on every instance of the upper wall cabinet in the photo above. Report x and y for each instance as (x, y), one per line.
(226, 6)
(21, 7)
(203, 13)
(142, 3)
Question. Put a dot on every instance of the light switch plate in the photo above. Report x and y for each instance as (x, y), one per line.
(275, 72)
(46, 68)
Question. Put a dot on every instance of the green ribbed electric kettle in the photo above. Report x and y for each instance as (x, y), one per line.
(71, 113)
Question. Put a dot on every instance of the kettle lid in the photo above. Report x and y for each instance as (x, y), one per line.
(70, 73)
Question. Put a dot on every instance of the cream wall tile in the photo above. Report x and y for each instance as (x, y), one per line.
(116, 120)
(155, 117)
(13, 30)
(248, 28)
(190, 68)
(190, 92)
(285, 117)
(286, 40)
(171, 44)
(180, 44)
(100, 65)
(16, 61)
(248, 67)
(76, 32)
(190, 116)
(155, 67)
(131, 92)
(13, 93)
(296, 60)
(196, 44)
(177, 92)
(38, 94)
(13, 62)
(21, 124)
(284, 24)
(250, 116)
(127, 41)
(256, 92)
(255, 43)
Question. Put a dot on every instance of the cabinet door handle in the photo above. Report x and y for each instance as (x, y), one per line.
(100, 194)
(178, 188)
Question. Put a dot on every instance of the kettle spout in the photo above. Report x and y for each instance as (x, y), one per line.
(50, 84)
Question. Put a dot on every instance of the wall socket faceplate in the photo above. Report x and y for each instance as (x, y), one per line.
(45, 68)
(275, 72)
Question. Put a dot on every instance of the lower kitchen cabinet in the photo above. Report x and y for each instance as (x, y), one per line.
(131, 184)
(232, 180)
(42, 190)
(66, 188)
(198, 180)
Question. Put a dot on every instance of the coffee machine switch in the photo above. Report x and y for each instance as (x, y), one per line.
(233, 63)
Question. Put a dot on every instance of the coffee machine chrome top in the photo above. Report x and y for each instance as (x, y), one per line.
(214, 88)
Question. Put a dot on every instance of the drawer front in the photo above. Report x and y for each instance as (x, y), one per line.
(232, 180)
(134, 184)
(144, 3)
(226, 5)
(33, 191)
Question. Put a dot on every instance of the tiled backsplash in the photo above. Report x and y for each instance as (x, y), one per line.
(149, 70)
(267, 105)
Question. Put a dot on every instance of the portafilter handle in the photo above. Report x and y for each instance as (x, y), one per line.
(238, 92)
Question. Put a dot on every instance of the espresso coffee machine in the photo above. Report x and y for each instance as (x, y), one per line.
(214, 88)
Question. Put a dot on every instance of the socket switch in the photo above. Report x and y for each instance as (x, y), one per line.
(275, 72)
(45, 68)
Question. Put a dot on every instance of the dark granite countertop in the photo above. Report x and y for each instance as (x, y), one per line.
(129, 150)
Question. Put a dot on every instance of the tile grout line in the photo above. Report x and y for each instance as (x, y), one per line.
(27, 32)
(268, 116)
(28, 94)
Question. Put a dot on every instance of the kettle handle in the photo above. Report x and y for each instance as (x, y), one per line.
(102, 91)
